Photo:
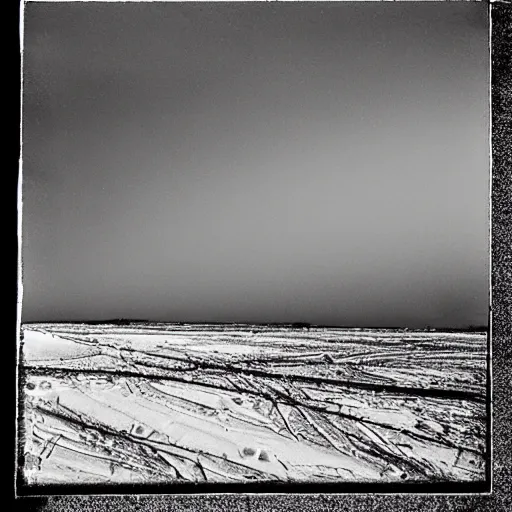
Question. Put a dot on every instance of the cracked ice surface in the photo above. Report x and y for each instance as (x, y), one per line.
(159, 403)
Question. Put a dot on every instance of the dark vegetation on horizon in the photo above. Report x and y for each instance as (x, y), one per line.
(292, 325)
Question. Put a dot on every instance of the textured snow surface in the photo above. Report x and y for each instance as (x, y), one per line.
(173, 403)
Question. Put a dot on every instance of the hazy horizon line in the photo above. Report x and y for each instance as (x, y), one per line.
(297, 325)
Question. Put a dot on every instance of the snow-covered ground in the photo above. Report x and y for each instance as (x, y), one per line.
(168, 403)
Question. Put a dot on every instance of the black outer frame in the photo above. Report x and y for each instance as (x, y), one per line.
(472, 497)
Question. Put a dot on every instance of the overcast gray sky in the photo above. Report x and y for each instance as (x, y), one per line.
(325, 163)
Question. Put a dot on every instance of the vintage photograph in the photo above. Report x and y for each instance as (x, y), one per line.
(254, 245)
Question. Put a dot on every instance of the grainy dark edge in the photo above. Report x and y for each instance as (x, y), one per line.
(501, 305)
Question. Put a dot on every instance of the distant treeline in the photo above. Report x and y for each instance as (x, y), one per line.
(293, 325)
